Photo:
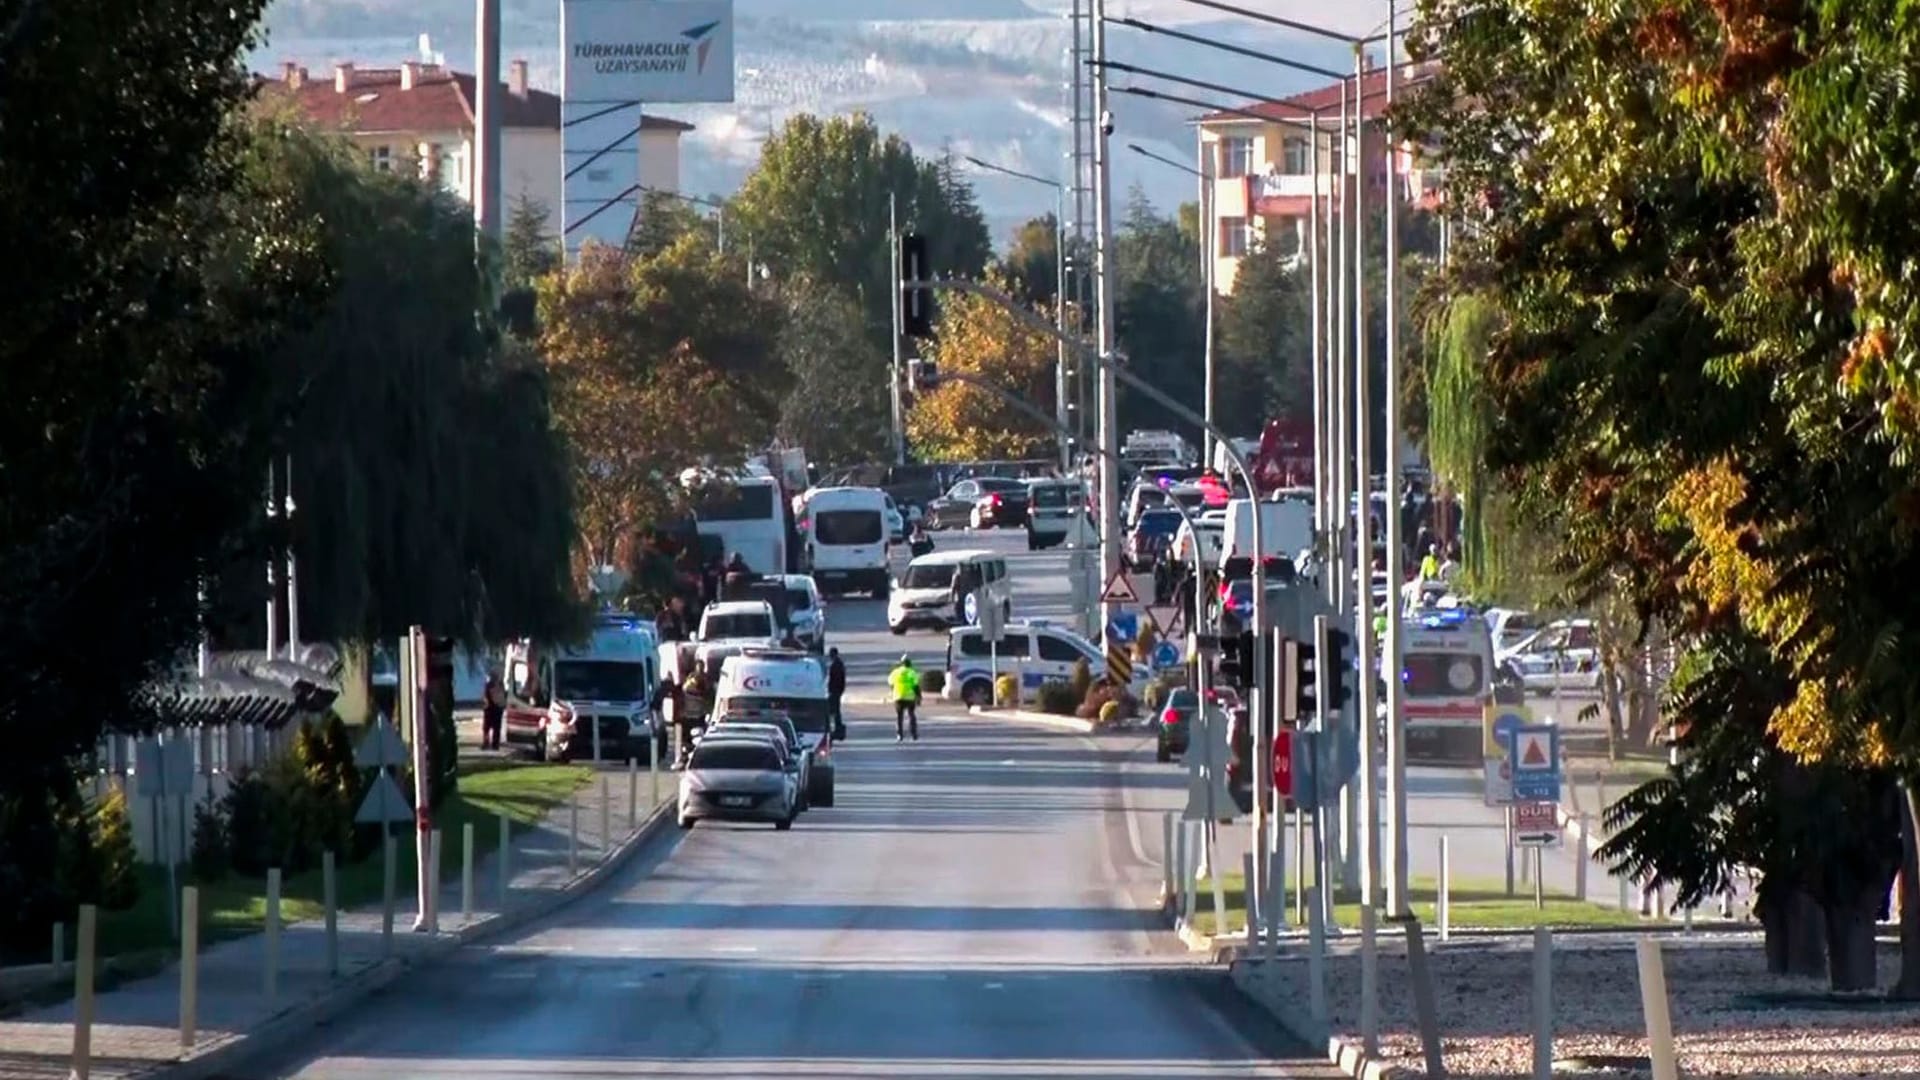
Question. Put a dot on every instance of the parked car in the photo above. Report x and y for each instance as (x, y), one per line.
(957, 508)
(1176, 724)
(737, 779)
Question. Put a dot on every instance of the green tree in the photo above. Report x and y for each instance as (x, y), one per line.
(1032, 264)
(958, 422)
(528, 250)
(411, 412)
(838, 408)
(1159, 315)
(662, 220)
(815, 206)
(137, 381)
(1263, 346)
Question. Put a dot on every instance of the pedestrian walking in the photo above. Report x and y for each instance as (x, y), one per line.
(905, 682)
(836, 688)
(493, 712)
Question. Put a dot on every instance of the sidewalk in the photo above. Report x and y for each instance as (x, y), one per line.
(136, 1026)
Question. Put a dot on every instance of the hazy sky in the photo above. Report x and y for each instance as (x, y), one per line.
(1344, 16)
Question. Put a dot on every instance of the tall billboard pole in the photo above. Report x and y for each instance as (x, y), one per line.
(486, 126)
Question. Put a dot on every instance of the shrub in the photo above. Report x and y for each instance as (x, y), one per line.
(325, 753)
(1159, 689)
(211, 855)
(1109, 714)
(1081, 680)
(1143, 645)
(113, 854)
(1103, 694)
(298, 816)
(1056, 696)
(1006, 690)
(249, 832)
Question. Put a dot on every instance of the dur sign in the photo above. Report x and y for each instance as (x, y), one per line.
(624, 51)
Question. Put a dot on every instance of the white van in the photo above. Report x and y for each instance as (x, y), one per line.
(791, 683)
(1052, 508)
(1286, 527)
(1033, 652)
(846, 539)
(924, 594)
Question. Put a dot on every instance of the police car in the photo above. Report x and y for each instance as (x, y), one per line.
(1034, 652)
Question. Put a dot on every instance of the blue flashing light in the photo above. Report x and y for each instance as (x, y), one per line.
(1444, 619)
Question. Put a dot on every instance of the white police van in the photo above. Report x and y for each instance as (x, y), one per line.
(1034, 652)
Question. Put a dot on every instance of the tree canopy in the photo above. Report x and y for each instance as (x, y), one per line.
(958, 422)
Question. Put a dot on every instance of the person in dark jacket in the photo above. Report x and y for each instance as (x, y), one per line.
(493, 712)
(672, 620)
(836, 688)
(670, 705)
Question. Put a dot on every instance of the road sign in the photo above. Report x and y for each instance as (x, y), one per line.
(1536, 763)
(1123, 628)
(380, 748)
(1497, 722)
(1166, 655)
(384, 803)
(1119, 589)
(993, 621)
(1536, 824)
(1119, 665)
(163, 769)
(1283, 763)
(970, 608)
(1499, 781)
(1332, 755)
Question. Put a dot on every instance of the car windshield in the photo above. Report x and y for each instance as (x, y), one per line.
(939, 576)
(736, 755)
(844, 527)
(1159, 522)
(1051, 496)
(599, 680)
(1443, 675)
(798, 598)
(1183, 698)
(808, 715)
(745, 624)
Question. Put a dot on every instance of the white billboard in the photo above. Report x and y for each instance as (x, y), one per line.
(646, 50)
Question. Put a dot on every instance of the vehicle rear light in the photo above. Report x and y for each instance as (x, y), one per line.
(1169, 717)
(993, 500)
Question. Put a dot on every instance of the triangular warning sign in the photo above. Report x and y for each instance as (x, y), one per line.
(1535, 755)
(1119, 589)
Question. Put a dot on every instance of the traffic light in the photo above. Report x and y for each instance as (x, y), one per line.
(1305, 675)
(916, 305)
(1237, 658)
(1335, 652)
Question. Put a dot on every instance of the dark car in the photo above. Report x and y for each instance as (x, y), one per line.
(1000, 502)
(910, 485)
(1176, 724)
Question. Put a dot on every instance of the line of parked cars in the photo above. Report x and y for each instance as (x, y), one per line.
(767, 753)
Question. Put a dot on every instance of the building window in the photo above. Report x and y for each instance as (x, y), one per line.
(382, 158)
(1236, 236)
(1293, 156)
(1236, 157)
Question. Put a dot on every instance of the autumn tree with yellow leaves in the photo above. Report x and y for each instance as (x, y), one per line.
(658, 362)
(956, 422)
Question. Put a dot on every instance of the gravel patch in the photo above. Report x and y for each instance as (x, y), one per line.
(1730, 1018)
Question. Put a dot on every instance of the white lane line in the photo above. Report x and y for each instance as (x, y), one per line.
(736, 948)
(995, 986)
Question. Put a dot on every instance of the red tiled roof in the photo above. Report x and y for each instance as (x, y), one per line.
(439, 100)
(1326, 99)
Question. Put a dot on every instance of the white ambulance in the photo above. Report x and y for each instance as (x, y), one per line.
(1447, 677)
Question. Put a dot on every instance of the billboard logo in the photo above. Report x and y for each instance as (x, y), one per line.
(702, 36)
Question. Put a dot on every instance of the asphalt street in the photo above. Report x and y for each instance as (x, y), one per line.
(977, 904)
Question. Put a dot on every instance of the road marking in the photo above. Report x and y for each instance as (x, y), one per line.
(996, 986)
(736, 948)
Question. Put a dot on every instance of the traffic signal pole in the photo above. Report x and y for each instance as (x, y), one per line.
(894, 276)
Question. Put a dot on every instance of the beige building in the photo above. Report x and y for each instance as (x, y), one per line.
(420, 116)
(1263, 175)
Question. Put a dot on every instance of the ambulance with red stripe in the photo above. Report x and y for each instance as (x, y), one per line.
(1446, 678)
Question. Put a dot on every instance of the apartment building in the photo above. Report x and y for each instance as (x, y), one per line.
(1263, 172)
(420, 116)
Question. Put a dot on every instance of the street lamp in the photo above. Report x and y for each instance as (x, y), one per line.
(1205, 176)
(1059, 298)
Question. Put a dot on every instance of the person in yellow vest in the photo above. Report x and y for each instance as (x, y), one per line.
(905, 682)
(1430, 565)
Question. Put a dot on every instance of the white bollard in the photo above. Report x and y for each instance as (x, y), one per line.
(59, 949)
(387, 870)
(633, 792)
(1167, 872)
(653, 770)
(466, 870)
(606, 817)
(1542, 1003)
(189, 963)
(83, 955)
(1654, 1006)
(270, 977)
(1581, 858)
(1626, 893)
(1686, 919)
(1189, 867)
(1369, 978)
(573, 835)
(329, 902)
(506, 876)
(1316, 963)
(1253, 900)
(1443, 899)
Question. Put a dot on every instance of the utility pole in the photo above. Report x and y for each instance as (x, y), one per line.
(1207, 260)
(486, 142)
(1396, 717)
(1363, 612)
(1060, 416)
(893, 281)
(1108, 422)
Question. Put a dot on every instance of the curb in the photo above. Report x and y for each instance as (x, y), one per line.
(237, 1052)
(1342, 1053)
(1063, 723)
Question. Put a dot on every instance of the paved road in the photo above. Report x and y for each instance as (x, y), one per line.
(976, 905)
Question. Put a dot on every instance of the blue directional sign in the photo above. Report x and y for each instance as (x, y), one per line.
(1323, 762)
(1123, 628)
(1166, 655)
(1534, 752)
